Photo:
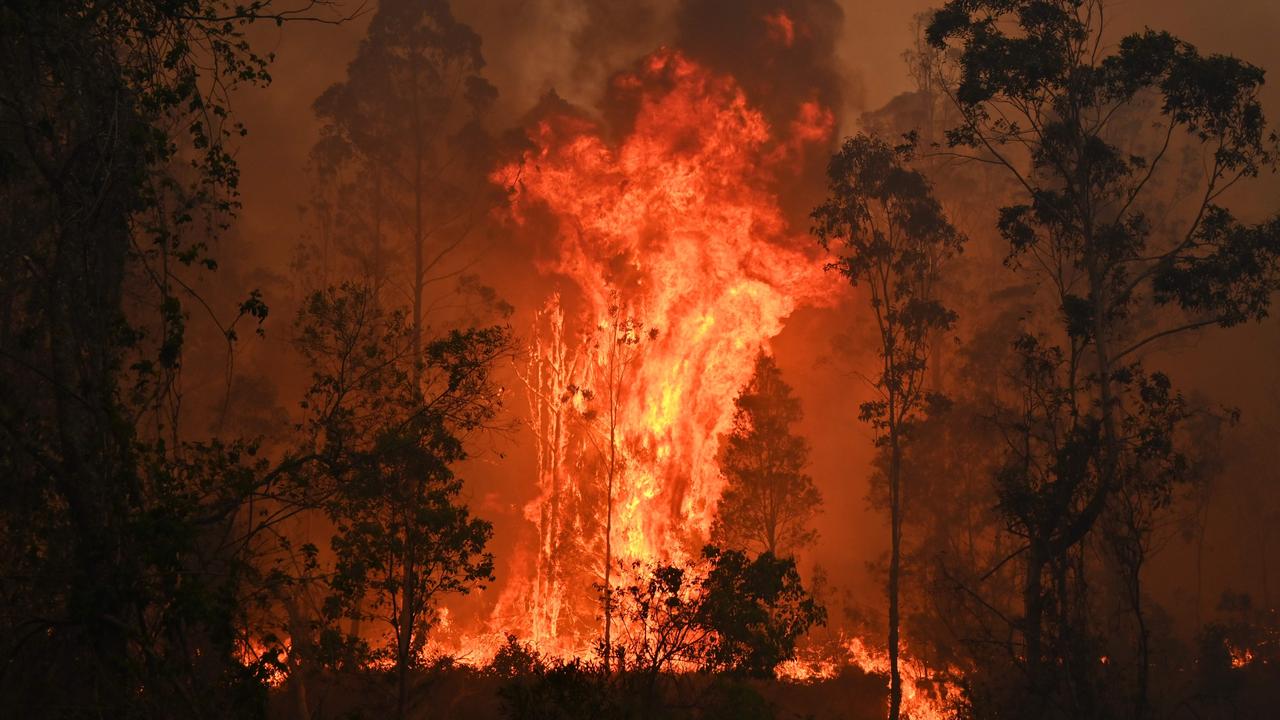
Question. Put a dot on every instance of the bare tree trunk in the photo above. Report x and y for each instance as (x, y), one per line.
(299, 656)
(895, 569)
(608, 523)
(419, 239)
(1144, 652)
(608, 553)
(378, 272)
(1033, 617)
(403, 646)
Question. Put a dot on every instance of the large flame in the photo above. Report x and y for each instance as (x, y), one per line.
(675, 228)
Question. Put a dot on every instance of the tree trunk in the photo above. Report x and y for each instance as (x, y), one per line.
(419, 279)
(378, 272)
(1144, 653)
(895, 562)
(608, 522)
(419, 239)
(1032, 619)
(405, 642)
(300, 654)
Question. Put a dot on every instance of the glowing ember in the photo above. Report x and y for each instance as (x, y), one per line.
(1240, 657)
(675, 227)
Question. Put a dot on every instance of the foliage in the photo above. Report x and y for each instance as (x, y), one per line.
(728, 614)
(125, 588)
(1090, 136)
(768, 500)
(399, 171)
(562, 690)
(514, 659)
(890, 235)
(391, 424)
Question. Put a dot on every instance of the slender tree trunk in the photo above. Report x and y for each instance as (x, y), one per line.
(299, 656)
(1144, 650)
(608, 555)
(419, 270)
(377, 271)
(419, 279)
(895, 563)
(608, 522)
(1033, 617)
(403, 646)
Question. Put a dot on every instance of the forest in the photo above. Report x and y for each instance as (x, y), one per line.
(660, 359)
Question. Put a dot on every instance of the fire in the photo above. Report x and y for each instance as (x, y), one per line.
(676, 233)
(1240, 657)
(782, 28)
(924, 697)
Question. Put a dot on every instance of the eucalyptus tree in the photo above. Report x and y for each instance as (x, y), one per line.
(890, 236)
(117, 171)
(1133, 247)
(391, 424)
(401, 163)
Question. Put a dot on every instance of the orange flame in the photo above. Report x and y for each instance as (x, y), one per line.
(781, 28)
(677, 227)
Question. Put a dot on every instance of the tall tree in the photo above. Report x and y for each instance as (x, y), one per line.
(891, 236)
(116, 172)
(404, 145)
(393, 423)
(621, 337)
(1089, 136)
(768, 500)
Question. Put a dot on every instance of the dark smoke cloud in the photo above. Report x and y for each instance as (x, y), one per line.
(783, 52)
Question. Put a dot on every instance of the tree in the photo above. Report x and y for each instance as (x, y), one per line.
(622, 337)
(728, 612)
(768, 500)
(393, 423)
(889, 234)
(1039, 97)
(403, 151)
(116, 173)
(758, 609)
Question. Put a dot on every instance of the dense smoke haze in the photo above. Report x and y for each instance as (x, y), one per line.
(633, 244)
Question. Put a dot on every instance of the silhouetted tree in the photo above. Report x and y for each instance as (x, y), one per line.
(1040, 97)
(403, 152)
(124, 565)
(728, 613)
(621, 337)
(393, 421)
(890, 236)
(768, 500)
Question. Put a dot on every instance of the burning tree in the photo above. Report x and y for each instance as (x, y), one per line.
(677, 218)
(768, 500)
(621, 338)
(891, 236)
